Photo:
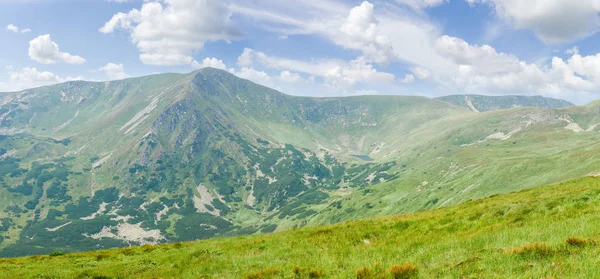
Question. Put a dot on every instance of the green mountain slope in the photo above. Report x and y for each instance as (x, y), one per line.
(547, 232)
(180, 157)
(480, 103)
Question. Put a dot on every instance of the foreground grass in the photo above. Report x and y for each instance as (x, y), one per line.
(551, 231)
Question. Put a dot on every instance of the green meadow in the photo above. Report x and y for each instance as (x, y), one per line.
(546, 232)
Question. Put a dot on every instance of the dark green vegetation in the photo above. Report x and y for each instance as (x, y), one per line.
(488, 103)
(546, 232)
(176, 157)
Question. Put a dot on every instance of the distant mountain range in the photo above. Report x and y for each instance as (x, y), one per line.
(177, 157)
(480, 103)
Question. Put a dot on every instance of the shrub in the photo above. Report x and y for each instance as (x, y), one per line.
(148, 248)
(302, 272)
(264, 274)
(406, 271)
(57, 253)
(299, 270)
(316, 273)
(128, 251)
(364, 273)
(100, 257)
(579, 242)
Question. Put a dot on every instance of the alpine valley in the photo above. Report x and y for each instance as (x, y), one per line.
(180, 157)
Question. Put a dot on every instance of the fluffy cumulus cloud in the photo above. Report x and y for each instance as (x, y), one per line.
(167, 32)
(254, 75)
(361, 32)
(483, 69)
(290, 77)
(31, 77)
(43, 50)
(553, 21)
(336, 73)
(384, 35)
(114, 71)
(210, 62)
(357, 70)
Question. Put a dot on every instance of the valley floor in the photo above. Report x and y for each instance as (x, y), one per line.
(546, 232)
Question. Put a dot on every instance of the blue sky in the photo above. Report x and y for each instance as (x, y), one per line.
(313, 47)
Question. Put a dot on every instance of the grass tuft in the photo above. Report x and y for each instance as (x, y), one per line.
(532, 249)
(148, 248)
(100, 257)
(264, 274)
(128, 251)
(580, 242)
(405, 271)
(364, 273)
(316, 273)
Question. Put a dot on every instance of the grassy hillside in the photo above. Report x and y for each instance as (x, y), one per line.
(480, 103)
(546, 232)
(179, 157)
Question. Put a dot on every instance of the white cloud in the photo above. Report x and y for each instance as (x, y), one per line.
(43, 50)
(336, 73)
(16, 29)
(30, 78)
(421, 73)
(573, 50)
(246, 59)
(114, 71)
(421, 4)
(481, 69)
(290, 77)
(367, 29)
(361, 32)
(254, 75)
(357, 70)
(210, 62)
(12, 27)
(484, 58)
(408, 78)
(553, 21)
(167, 33)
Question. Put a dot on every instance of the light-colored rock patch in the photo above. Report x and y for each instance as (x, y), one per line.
(121, 218)
(100, 211)
(141, 115)
(470, 104)
(205, 199)
(130, 233)
(251, 200)
(161, 213)
(101, 161)
(58, 228)
(67, 122)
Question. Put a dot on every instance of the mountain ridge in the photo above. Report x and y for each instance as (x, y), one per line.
(191, 156)
(483, 103)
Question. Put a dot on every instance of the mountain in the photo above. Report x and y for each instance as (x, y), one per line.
(547, 232)
(179, 157)
(480, 103)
